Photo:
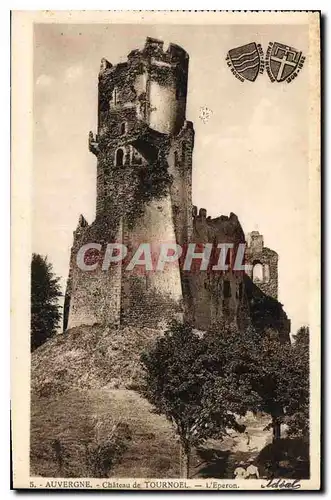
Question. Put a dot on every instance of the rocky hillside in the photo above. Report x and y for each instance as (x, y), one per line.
(81, 383)
(90, 357)
(83, 405)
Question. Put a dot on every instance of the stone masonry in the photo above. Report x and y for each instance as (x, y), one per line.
(143, 146)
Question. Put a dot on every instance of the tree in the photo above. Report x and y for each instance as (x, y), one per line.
(301, 338)
(298, 421)
(275, 372)
(188, 382)
(286, 397)
(257, 367)
(268, 317)
(273, 382)
(45, 294)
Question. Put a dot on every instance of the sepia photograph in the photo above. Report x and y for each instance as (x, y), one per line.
(166, 250)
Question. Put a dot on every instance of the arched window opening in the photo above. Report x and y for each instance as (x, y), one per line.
(119, 158)
(257, 272)
(123, 128)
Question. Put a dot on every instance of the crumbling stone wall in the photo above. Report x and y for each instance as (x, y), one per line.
(257, 255)
(217, 297)
(180, 169)
(143, 190)
(93, 296)
(144, 148)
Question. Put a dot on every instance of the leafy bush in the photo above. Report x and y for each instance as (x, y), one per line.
(102, 456)
(45, 294)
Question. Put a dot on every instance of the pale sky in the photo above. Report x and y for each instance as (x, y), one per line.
(250, 158)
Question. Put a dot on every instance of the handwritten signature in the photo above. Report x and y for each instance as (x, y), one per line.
(283, 484)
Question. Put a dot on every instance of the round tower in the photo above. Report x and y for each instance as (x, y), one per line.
(144, 160)
(152, 81)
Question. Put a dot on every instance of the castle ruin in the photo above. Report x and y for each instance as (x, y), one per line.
(144, 147)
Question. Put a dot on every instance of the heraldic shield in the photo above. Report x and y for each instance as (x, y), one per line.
(283, 61)
(246, 61)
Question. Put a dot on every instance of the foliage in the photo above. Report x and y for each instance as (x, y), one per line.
(274, 375)
(301, 338)
(191, 385)
(45, 294)
(235, 354)
(202, 382)
(102, 455)
(298, 421)
(132, 187)
(152, 181)
(273, 381)
(266, 313)
(72, 435)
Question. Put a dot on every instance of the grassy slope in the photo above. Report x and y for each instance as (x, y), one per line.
(89, 357)
(77, 418)
(153, 451)
(80, 384)
(80, 389)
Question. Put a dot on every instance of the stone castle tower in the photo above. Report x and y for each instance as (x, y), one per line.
(144, 167)
(144, 147)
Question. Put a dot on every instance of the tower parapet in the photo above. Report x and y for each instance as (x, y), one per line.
(152, 81)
